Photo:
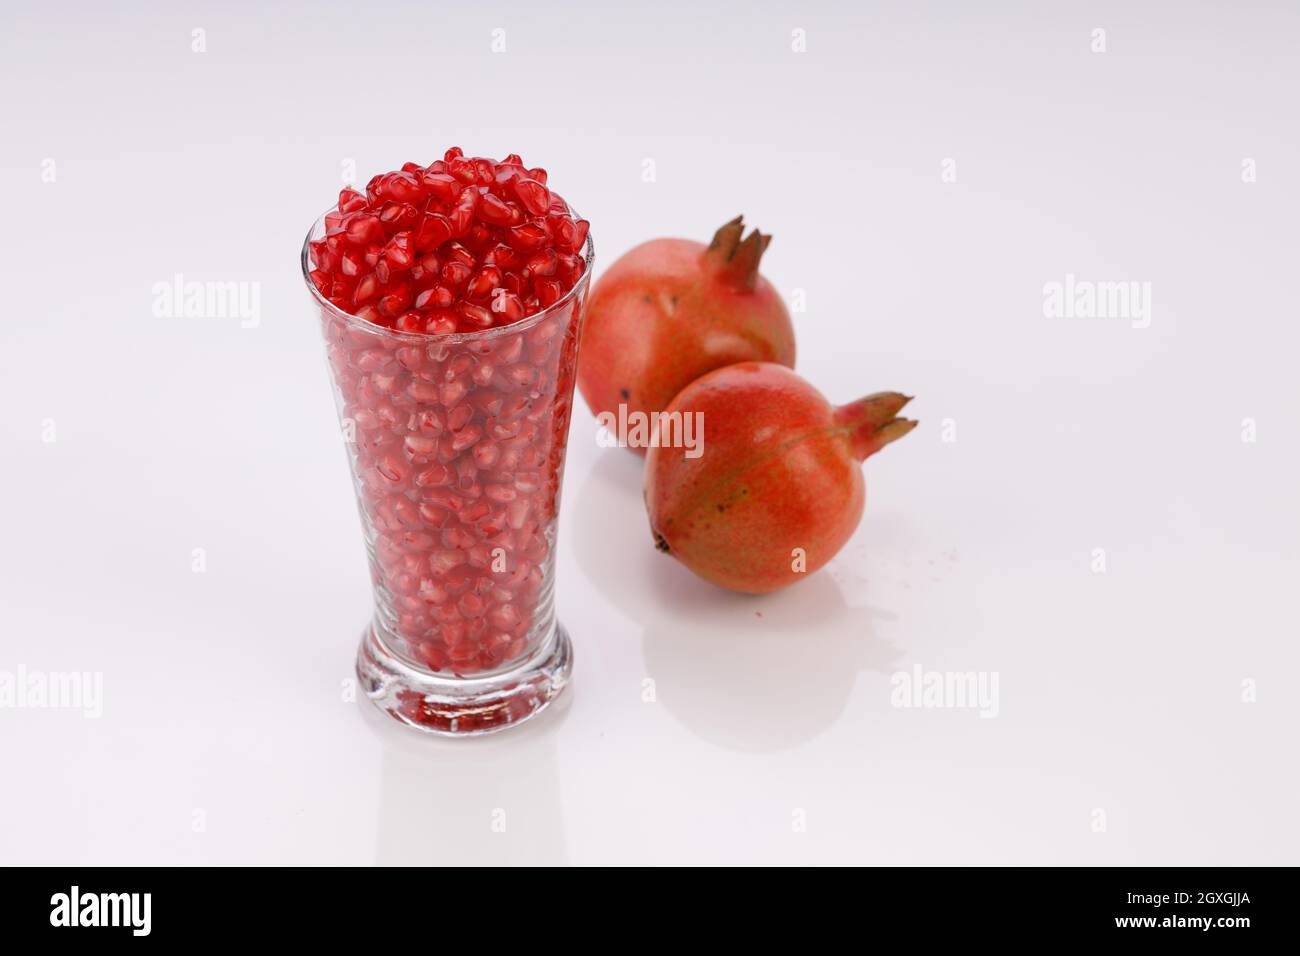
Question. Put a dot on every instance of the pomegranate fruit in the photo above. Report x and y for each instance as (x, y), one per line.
(777, 489)
(672, 309)
(460, 245)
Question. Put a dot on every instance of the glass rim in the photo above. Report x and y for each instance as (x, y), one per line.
(357, 322)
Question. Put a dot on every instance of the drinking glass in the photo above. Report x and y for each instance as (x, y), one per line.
(456, 445)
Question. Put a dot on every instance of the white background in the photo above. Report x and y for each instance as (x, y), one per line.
(1120, 692)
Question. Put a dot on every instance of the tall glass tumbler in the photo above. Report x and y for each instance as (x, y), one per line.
(456, 444)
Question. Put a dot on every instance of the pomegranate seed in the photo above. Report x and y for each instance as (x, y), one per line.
(458, 367)
(500, 493)
(461, 654)
(486, 454)
(440, 297)
(570, 236)
(528, 482)
(434, 229)
(364, 229)
(350, 200)
(441, 186)
(392, 469)
(466, 437)
(430, 593)
(445, 560)
(456, 273)
(398, 251)
(571, 268)
(581, 227)
(462, 213)
(416, 540)
(431, 656)
(535, 197)
(460, 539)
(423, 392)
(506, 173)
(437, 503)
(527, 237)
(440, 325)
(504, 616)
(508, 305)
(404, 187)
(367, 289)
(429, 422)
(549, 291)
(471, 605)
(475, 316)
(495, 210)
(459, 416)
(450, 393)
(463, 169)
(517, 513)
(482, 283)
(398, 215)
(435, 476)
(503, 256)
(520, 377)
(479, 238)
(420, 447)
(351, 262)
(543, 263)
(485, 169)
(409, 322)
(396, 301)
(455, 252)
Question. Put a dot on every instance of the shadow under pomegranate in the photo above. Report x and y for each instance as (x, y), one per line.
(767, 677)
(750, 673)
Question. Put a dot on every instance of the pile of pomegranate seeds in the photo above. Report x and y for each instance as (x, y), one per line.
(460, 245)
(457, 445)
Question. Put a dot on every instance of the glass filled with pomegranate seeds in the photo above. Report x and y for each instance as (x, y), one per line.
(451, 298)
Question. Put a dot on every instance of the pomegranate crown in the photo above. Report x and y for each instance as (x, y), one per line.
(734, 258)
(871, 423)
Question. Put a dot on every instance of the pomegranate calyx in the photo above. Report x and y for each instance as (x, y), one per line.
(725, 240)
(736, 260)
(873, 422)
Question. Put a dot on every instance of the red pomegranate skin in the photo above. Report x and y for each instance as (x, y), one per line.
(780, 470)
(671, 310)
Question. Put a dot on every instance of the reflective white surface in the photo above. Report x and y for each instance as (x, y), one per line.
(766, 732)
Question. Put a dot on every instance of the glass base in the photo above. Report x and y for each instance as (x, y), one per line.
(463, 706)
